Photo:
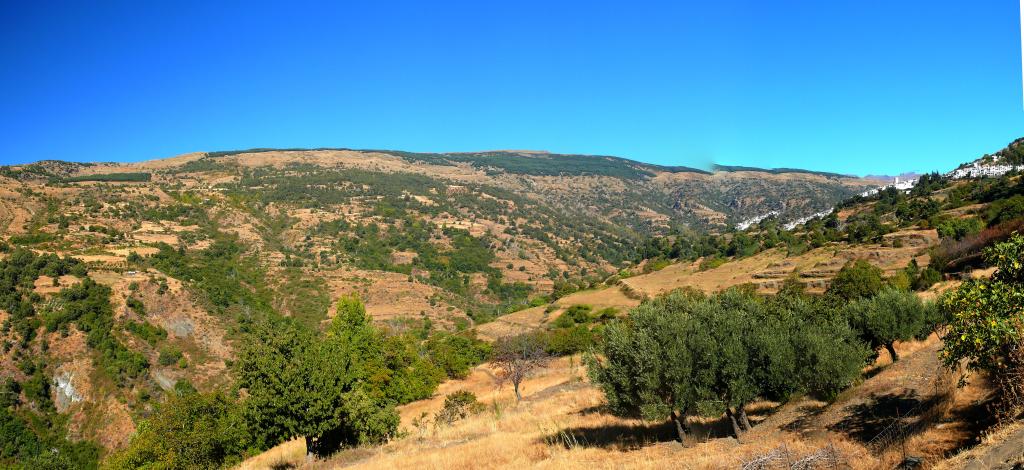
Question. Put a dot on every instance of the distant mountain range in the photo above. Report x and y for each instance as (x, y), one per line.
(891, 179)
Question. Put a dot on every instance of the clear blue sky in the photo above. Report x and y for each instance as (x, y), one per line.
(850, 86)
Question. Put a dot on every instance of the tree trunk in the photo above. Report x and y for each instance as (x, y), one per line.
(892, 352)
(743, 418)
(678, 420)
(735, 425)
(515, 385)
(310, 451)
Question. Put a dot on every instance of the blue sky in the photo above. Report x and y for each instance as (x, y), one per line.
(849, 86)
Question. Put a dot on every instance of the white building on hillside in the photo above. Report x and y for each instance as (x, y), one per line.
(978, 171)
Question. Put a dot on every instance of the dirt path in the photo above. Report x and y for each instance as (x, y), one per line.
(894, 390)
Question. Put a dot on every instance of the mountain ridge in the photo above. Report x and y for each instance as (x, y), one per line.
(457, 156)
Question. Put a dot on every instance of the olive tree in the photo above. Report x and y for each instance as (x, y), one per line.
(644, 365)
(680, 353)
(891, 315)
(719, 343)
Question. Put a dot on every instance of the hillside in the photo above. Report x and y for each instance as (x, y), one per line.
(166, 270)
(530, 218)
(563, 420)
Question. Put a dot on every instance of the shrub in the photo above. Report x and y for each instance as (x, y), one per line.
(986, 324)
(571, 340)
(169, 355)
(956, 255)
(457, 406)
(1005, 210)
(145, 331)
(455, 354)
(927, 278)
(574, 315)
(136, 305)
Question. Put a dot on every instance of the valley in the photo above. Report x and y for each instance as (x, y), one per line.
(136, 285)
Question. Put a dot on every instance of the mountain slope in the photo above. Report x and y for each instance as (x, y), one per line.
(179, 255)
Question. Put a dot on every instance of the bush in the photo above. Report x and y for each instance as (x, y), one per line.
(136, 305)
(455, 354)
(955, 255)
(169, 355)
(571, 340)
(145, 331)
(457, 406)
(87, 304)
(28, 443)
(986, 324)
(574, 315)
(1005, 210)
(927, 278)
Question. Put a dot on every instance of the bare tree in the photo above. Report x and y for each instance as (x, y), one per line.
(517, 357)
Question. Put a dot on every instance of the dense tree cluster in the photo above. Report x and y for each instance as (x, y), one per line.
(87, 305)
(684, 353)
(333, 388)
(18, 273)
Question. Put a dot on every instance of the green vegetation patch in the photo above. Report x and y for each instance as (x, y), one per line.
(111, 178)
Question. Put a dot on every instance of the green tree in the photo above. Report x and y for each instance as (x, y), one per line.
(456, 353)
(722, 351)
(891, 315)
(857, 279)
(644, 366)
(829, 353)
(680, 353)
(958, 228)
(335, 390)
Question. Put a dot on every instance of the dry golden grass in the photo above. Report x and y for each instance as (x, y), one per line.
(825, 261)
(285, 455)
